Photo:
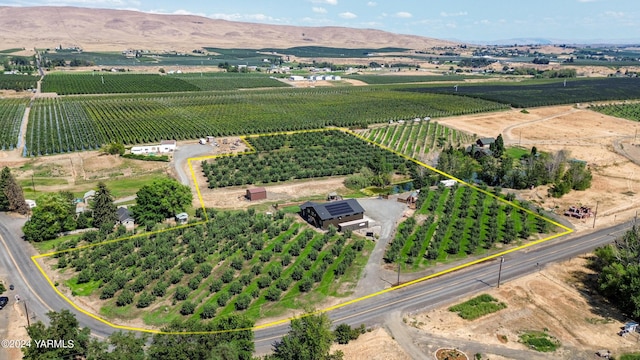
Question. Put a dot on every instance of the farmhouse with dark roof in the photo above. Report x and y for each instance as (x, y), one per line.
(343, 214)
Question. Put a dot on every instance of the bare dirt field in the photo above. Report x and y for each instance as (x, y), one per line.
(374, 345)
(555, 299)
(587, 136)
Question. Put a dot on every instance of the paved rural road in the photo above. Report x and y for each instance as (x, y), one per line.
(15, 258)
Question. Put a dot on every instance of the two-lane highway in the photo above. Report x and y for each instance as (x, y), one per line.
(15, 255)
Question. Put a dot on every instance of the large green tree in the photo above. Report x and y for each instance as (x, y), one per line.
(230, 345)
(161, 199)
(310, 338)
(63, 326)
(620, 272)
(104, 210)
(11, 196)
(53, 215)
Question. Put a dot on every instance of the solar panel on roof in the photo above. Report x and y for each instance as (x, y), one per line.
(336, 209)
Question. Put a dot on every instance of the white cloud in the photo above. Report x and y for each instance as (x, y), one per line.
(459, 13)
(328, 2)
(244, 17)
(403, 14)
(187, 12)
(348, 15)
(319, 10)
(372, 3)
(614, 14)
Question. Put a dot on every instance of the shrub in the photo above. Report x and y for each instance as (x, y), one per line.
(181, 293)
(205, 270)
(208, 311)
(188, 266)
(187, 308)
(145, 300)
(243, 301)
(215, 286)
(305, 284)
(263, 282)
(344, 333)
(227, 276)
(272, 294)
(195, 282)
(160, 289)
(236, 263)
(235, 288)
(125, 298)
(223, 298)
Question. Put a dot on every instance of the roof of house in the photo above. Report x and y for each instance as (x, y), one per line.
(89, 193)
(182, 216)
(486, 141)
(124, 214)
(334, 209)
(256, 190)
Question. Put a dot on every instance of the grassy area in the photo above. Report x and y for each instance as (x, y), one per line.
(84, 289)
(28, 184)
(50, 245)
(477, 307)
(634, 356)
(517, 152)
(540, 341)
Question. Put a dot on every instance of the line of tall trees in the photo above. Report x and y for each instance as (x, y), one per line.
(496, 168)
(618, 265)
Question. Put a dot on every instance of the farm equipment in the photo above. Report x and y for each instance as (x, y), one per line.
(579, 212)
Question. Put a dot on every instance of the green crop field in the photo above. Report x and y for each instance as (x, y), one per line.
(545, 92)
(108, 83)
(11, 113)
(404, 79)
(451, 223)
(17, 82)
(297, 156)
(416, 139)
(84, 123)
(230, 81)
(625, 111)
(243, 261)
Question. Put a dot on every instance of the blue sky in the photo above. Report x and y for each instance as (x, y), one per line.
(465, 20)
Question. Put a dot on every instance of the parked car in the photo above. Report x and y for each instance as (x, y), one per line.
(3, 301)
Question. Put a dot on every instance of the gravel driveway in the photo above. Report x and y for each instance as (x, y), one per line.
(386, 213)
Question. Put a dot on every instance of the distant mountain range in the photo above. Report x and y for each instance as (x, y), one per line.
(543, 41)
(116, 30)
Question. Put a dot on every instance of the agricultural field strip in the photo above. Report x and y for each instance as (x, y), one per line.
(409, 283)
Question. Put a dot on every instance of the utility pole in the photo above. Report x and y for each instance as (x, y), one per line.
(26, 312)
(595, 214)
(398, 282)
(500, 271)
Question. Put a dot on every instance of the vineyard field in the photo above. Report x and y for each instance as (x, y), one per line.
(456, 222)
(404, 79)
(74, 123)
(225, 81)
(17, 82)
(11, 113)
(107, 83)
(625, 111)
(297, 156)
(416, 139)
(545, 93)
(241, 262)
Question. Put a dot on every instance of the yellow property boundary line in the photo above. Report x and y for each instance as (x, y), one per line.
(283, 321)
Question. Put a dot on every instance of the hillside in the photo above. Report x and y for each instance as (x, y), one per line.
(101, 29)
